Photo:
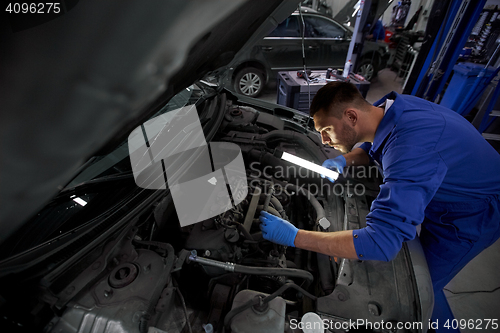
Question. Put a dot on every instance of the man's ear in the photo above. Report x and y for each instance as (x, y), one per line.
(352, 116)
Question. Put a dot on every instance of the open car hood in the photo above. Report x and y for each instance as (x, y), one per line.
(75, 86)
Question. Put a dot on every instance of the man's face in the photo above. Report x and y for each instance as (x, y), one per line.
(337, 133)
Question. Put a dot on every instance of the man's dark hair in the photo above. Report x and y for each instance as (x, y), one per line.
(335, 97)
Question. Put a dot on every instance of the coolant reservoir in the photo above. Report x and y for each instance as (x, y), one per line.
(269, 320)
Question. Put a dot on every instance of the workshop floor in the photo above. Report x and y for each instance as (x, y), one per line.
(475, 292)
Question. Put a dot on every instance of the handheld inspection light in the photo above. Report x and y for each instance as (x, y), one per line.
(310, 166)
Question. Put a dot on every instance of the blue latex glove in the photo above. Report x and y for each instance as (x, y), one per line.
(277, 230)
(336, 164)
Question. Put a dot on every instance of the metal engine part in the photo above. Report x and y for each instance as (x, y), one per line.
(222, 238)
(118, 302)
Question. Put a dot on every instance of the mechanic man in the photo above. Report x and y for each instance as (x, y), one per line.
(438, 172)
(377, 32)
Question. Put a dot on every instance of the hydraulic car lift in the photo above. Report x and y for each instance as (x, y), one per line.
(439, 53)
(442, 45)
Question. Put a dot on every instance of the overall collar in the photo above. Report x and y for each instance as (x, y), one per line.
(389, 120)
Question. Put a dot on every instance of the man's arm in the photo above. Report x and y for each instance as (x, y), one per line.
(335, 244)
(357, 156)
(412, 177)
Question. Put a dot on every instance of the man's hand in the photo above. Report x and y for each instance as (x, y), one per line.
(336, 244)
(336, 164)
(277, 230)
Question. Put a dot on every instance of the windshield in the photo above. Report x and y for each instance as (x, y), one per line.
(118, 161)
(101, 185)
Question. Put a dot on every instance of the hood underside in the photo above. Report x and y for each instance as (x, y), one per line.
(75, 86)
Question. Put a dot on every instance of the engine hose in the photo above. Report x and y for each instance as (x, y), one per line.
(244, 231)
(298, 252)
(277, 204)
(269, 193)
(249, 239)
(276, 271)
(324, 264)
(326, 278)
(163, 246)
(299, 138)
(160, 285)
(270, 271)
(320, 211)
(270, 210)
(265, 158)
(256, 301)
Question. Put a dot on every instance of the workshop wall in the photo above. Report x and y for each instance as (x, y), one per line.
(337, 5)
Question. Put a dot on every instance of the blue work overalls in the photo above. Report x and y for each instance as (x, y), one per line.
(438, 172)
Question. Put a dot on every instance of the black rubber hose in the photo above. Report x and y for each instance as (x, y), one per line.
(324, 265)
(320, 211)
(325, 273)
(298, 138)
(268, 195)
(277, 204)
(266, 158)
(163, 246)
(286, 286)
(270, 210)
(270, 271)
(298, 251)
(275, 271)
(244, 231)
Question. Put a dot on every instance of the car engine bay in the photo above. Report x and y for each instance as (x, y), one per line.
(220, 275)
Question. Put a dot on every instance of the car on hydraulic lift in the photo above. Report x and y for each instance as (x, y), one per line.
(85, 247)
(325, 45)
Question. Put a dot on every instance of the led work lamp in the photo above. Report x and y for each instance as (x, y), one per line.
(309, 165)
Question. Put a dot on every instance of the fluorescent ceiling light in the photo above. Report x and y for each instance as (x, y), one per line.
(80, 201)
(356, 8)
(310, 166)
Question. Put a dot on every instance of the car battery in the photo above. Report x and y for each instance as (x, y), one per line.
(295, 92)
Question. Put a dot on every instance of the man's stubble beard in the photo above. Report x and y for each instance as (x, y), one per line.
(348, 138)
